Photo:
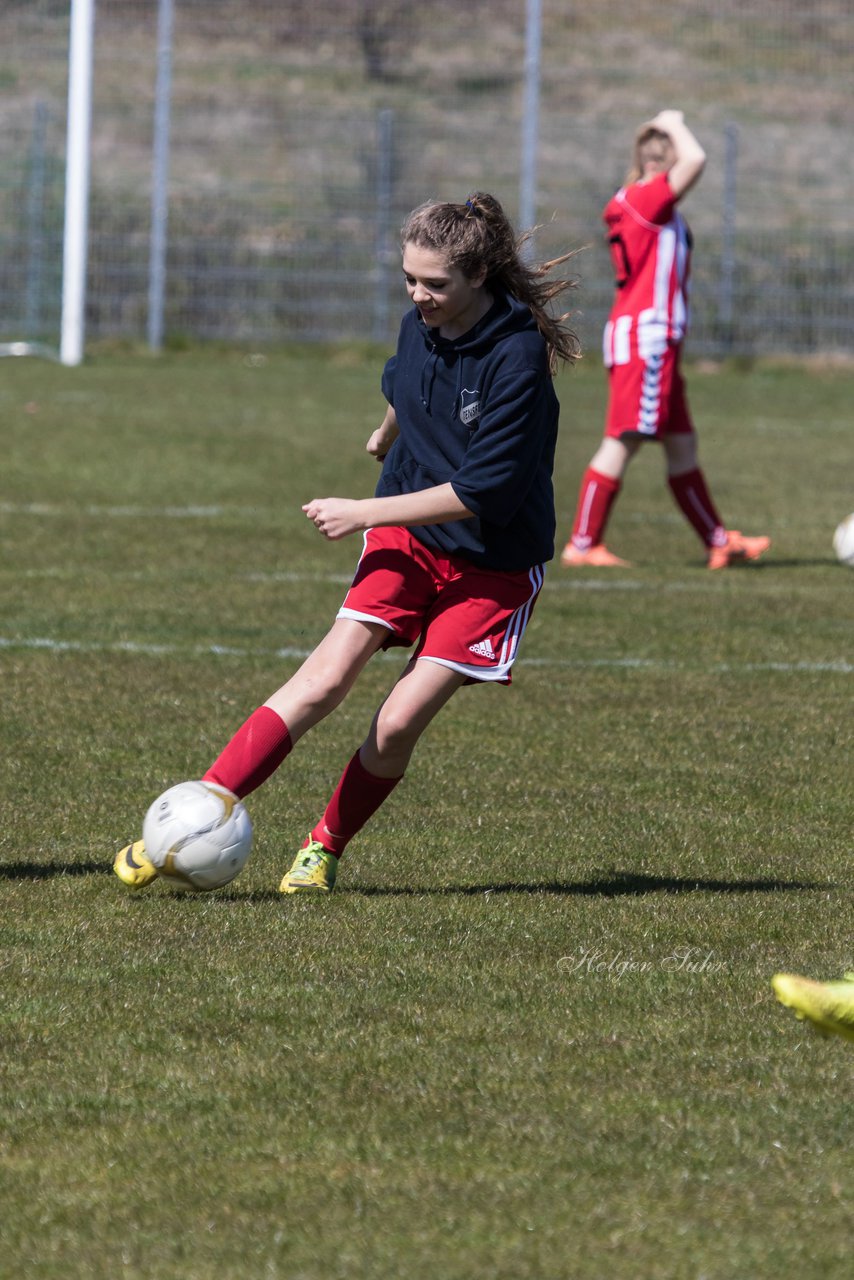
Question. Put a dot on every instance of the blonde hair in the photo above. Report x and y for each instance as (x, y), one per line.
(477, 236)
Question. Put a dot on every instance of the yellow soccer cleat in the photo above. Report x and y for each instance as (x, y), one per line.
(133, 868)
(829, 1006)
(313, 871)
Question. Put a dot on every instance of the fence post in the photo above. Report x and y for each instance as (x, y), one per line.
(530, 118)
(160, 177)
(385, 142)
(35, 223)
(728, 252)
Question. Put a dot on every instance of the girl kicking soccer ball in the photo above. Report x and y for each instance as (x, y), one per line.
(457, 535)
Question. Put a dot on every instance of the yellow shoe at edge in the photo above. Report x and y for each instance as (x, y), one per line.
(829, 1006)
(313, 871)
(133, 868)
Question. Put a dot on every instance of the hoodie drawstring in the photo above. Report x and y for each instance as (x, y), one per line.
(427, 388)
(426, 396)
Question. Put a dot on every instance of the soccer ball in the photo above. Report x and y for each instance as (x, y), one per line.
(843, 541)
(197, 835)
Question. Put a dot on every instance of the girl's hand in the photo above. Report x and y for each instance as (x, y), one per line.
(667, 120)
(335, 517)
(385, 435)
(378, 444)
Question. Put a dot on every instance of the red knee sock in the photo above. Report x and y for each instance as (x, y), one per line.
(256, 750)
(356, 798)
(595, 500)
(695, 503)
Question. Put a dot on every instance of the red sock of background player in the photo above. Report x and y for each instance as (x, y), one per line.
(695, 503)
(356, 798)
(595, 500)
(256, 750)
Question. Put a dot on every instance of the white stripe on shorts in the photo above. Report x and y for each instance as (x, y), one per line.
(510, 647)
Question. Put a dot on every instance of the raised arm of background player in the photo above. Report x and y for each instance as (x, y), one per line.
(690, 157)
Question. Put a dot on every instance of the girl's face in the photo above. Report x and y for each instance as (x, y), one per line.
(448, 300)
(658, 157)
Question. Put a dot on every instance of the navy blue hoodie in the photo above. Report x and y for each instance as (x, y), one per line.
(481, 412)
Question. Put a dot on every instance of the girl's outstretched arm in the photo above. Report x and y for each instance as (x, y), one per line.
(337, 517)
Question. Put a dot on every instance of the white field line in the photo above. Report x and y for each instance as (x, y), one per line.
(208, 512)
(123, 512)
(72, 574)
(47, 644)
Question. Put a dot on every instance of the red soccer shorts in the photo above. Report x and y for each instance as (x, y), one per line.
(463, 617)
(648, 397)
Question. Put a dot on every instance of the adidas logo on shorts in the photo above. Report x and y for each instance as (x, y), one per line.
(483, 649)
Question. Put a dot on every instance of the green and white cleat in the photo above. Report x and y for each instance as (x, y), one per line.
(829, 1006)
(314, 870)
(133, 868)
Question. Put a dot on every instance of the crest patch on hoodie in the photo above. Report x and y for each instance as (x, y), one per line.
(469, 406)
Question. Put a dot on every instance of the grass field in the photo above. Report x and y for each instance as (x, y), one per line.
(532, 1036)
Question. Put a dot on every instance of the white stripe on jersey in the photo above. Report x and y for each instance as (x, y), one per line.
(680, 314)
(663, 267)
(669, 309)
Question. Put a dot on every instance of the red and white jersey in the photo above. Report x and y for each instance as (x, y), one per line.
(651, 254)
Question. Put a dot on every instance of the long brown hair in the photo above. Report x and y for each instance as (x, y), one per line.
(478, 236)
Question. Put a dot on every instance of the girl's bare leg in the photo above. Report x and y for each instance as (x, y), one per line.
(421, 692)
(327, 675)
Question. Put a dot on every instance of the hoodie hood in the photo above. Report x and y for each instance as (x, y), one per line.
(506, 317)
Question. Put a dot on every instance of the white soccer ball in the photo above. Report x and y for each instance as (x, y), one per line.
(197, 835)
(843, 541)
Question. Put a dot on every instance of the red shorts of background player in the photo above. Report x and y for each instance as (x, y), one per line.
(648, 397)
(463, 617)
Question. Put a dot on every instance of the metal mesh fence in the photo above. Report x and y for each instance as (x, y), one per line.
(301, 134)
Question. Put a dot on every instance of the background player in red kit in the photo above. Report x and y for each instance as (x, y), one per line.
(457, 534)
(651, 251)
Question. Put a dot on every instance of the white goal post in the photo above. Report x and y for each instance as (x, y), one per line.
(77, 181)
